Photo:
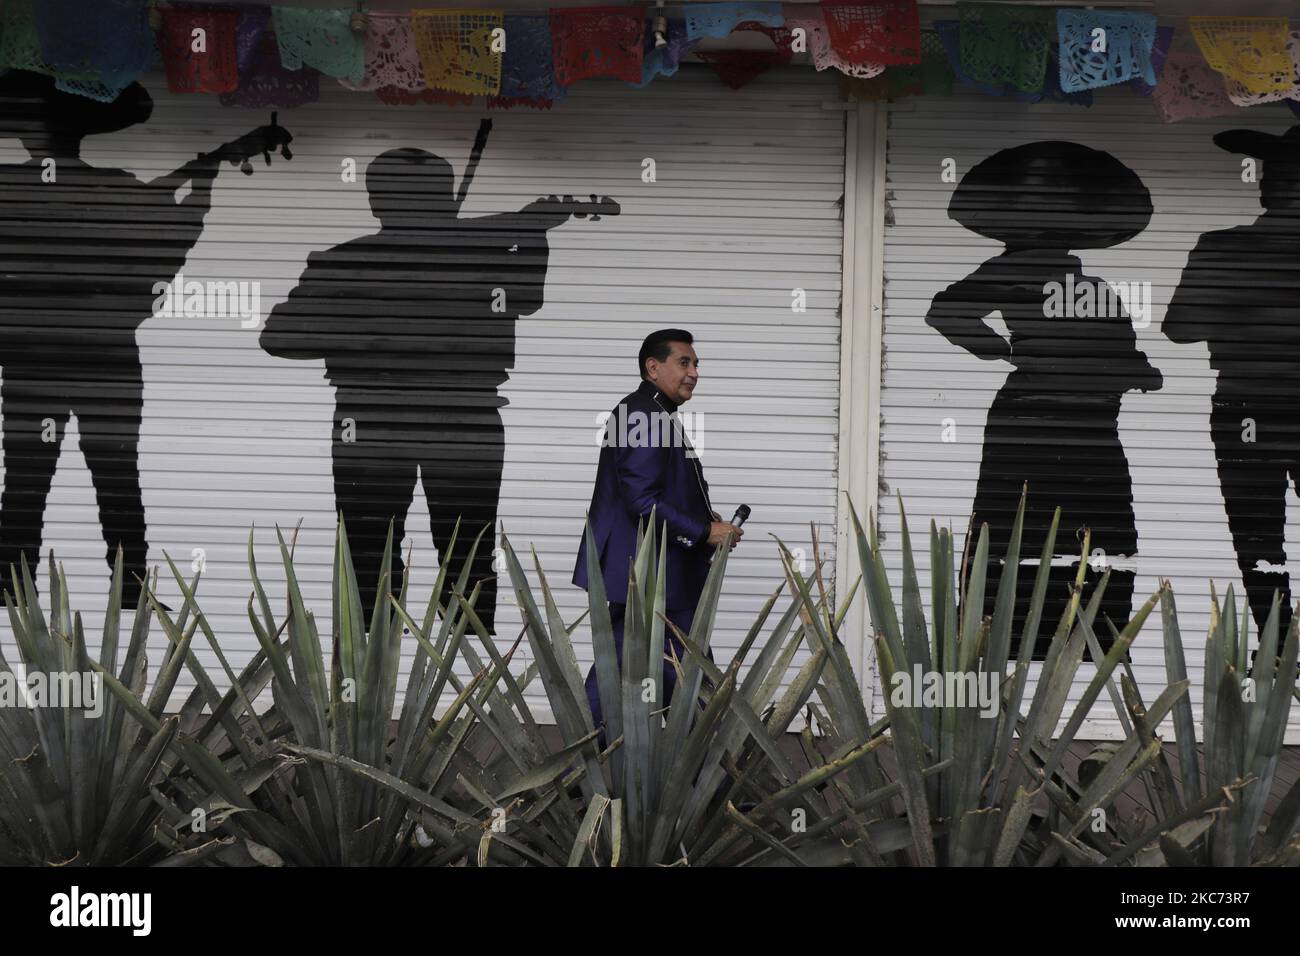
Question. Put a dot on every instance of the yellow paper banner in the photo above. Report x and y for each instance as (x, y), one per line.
(456, 49)
(1250, 50)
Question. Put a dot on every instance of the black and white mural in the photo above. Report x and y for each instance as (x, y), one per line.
(416, 325)
(1240, 294)
(84, 246)
(1053, 427)
(411, 314)
(1100, 308)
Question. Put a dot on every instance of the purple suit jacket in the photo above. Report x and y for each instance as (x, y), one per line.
(635, 476)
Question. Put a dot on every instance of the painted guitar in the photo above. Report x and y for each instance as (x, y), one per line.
(578, 209)
(264, 140)
(550, 205)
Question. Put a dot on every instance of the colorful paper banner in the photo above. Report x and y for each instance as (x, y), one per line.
(886, 31)
(1099, 49)
(528, 69)
(457, 49)
(1006, 44)
(588, 42)
(810, 19)
(264, 82)
(1250, 50)
(200, 49)
(718, 19)
(322, 39)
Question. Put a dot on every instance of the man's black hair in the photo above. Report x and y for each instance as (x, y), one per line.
(658, 345)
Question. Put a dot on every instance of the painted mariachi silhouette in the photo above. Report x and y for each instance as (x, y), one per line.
(83, 247)
(416, 324)
(1054, 423)
(1238, 294)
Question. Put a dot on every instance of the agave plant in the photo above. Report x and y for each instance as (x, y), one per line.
(318, 779)
(667, 788)
(1209, 812)
(323, 777)
(1244, 721)
(76, 774)
(992, 787)
(981, 791)
(446, 768)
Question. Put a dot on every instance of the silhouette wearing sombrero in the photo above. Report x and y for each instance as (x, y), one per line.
(82, 248)
(1240, 294)
(1054, 423)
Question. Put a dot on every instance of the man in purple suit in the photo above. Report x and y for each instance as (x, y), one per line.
(647, 462)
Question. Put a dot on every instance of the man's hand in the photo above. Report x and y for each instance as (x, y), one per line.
(264, 140)
(718, 531)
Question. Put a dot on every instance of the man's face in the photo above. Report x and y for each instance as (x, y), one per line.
(677, 375)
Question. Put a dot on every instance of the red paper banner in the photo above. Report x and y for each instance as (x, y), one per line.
(737, 68)
(885, 31)
(597, 41)
(199, 50)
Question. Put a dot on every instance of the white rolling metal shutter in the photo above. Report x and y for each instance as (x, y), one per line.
(1195, 188)
(745, 208)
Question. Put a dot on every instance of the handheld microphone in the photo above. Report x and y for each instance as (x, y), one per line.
(738, 519)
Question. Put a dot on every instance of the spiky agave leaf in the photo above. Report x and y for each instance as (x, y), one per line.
(75, 776)
(378, 789)
(977, 789)
(663, 786)
(316, 779)
(1245, 719)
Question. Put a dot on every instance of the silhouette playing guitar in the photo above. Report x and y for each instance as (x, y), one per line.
(82, 248)
(416, 324)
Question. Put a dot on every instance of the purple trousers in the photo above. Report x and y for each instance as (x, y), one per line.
(682, 617)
